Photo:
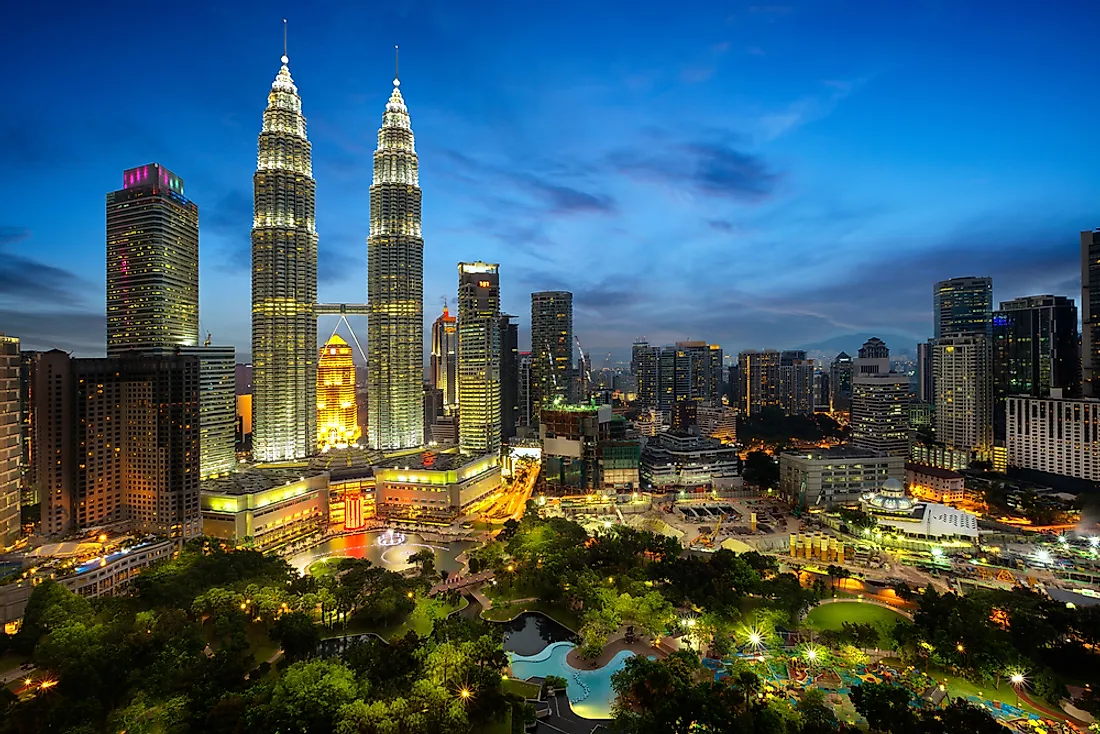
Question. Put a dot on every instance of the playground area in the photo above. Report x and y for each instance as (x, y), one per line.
(789, 676)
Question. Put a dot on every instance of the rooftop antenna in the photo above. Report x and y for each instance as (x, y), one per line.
(284, 59)
(396, 67)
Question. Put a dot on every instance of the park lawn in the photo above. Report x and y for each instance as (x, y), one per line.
(324, 567)
(260, 644)
(506, 612)
(962, 687)
(521, 688)
(833, 616)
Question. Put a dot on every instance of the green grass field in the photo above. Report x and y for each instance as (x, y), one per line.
(833, 616)
(520, 688)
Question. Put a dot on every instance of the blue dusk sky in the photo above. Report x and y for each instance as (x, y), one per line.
(754, 174)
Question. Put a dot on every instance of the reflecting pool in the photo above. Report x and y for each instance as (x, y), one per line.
(590, 693)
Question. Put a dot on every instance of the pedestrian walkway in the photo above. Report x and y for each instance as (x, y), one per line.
(461, 582)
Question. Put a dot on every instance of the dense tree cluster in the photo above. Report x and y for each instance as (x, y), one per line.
(988, 635)
(177, 655)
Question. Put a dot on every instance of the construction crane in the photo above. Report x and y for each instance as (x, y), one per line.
(584, 359)
(553, 372)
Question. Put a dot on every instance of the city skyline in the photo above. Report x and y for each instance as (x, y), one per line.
(776, 155)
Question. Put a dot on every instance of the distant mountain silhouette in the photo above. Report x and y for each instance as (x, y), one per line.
(899, 345)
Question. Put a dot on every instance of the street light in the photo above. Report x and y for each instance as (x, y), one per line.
(465, 693)
(1018, 680)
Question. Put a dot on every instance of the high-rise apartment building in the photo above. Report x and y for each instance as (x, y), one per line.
(964, 393)
(526, 413)
(1035, 344)
(759, 380)
(11, 429)
(1090, 312)
(337, 409)
(840, 383)
(395, 286)
(444, 365)
(821, 391)
(509, 376)
(479, 357)
(963, 306)
(643, 365)
(284, 281)
(880, 403)
(551, 346)
(117, 442)
(795, 393)
(217, 408)
(1057, 436)
(926, 392)
(152, 263)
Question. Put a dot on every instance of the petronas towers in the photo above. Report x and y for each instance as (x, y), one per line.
(284, 284)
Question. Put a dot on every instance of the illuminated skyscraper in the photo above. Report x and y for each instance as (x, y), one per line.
(395, 287)
(551, 346)
(11, 428)
(880, 403)
(1090, 312)
(284, 282)
(337, 413)
(479, 357)
(444, 376)
(217, 408)
(963, 306)
(152, 263)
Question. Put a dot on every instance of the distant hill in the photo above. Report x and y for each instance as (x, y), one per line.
(850, 343)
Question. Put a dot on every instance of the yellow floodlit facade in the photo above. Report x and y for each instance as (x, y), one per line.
(337, 413)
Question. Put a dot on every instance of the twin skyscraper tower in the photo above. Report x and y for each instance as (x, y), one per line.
(284, 284)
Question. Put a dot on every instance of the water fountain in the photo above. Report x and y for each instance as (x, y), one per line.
(391, 538)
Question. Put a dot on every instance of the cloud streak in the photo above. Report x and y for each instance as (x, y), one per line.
(709, 168)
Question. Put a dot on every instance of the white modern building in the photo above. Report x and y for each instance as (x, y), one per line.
(1058, 436)
(828, 477)
(898, 513)
(963, 377)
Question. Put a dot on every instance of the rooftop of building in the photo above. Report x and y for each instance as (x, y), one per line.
(259, 479)
(932, 471)
(836, 452)
(429, 461)
(349, 457)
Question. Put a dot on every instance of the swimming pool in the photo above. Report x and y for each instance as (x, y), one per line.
(590, 692)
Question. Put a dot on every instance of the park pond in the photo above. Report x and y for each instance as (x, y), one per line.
(393, 557)
(531, 632)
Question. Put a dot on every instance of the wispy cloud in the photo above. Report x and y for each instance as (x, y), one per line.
(710, 168)
(24, 280)
(808, 109)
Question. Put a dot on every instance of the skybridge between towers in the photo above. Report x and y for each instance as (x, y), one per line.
(343, 310)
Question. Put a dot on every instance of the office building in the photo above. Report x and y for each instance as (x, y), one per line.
(524, 395)
(117, 442)
(395, 286)
(444, 365)
(759, 380)
(643, 365)
(717, 422)
(619, 465)
(840, 383)
(822, 394)
(551, 346)
(217, 408)
(674, 461)
(1090, 312)
(434, 488)
(925, 388)
(152, 263)
(265, 509)
(284, 282)
(1035, 345)
(963, 307)
(479, 357)
(509, 376)
(838, 476)
(880, 403)
(795, 393)
(337, 409)
(11, 430)
(964, 393)
(28, 489)
(943, 457)
(1055, 435)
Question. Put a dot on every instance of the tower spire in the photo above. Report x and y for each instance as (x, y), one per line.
(284, 59)
(396, 67)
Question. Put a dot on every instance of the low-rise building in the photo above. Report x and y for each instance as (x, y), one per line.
(935, 484)
(266, 507)
(839, 476)
(896, 512)
(939, 455)
(675, 461)
(434, 488)
(620, 465)
(718, 422)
